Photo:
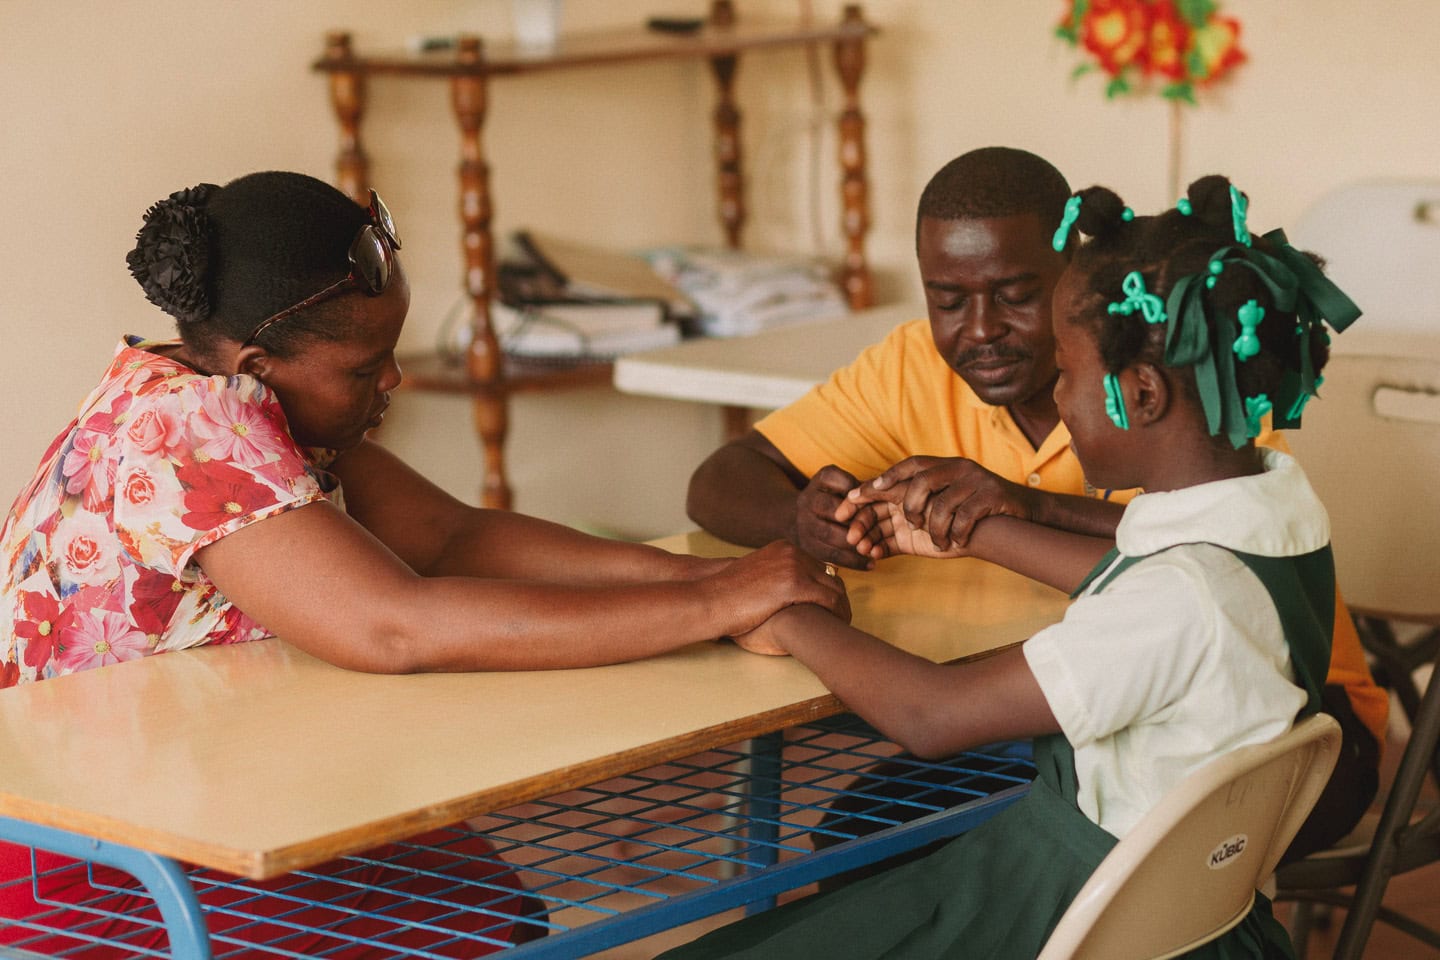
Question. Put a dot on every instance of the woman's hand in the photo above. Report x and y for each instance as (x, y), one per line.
(752, 588)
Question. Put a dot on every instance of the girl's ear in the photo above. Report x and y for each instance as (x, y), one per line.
(1152, 394)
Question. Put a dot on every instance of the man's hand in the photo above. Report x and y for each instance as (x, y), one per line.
(942, 496)
(817, 530)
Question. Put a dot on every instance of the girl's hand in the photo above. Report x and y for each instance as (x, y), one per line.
(761, 640)
(944, 496)
(893, 534)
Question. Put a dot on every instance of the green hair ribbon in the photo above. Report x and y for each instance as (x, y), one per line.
(1296, 285)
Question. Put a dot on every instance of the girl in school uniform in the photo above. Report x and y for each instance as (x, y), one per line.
(1206, 628)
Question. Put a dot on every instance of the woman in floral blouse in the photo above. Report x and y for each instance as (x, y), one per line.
(220, 488)
(197, 497)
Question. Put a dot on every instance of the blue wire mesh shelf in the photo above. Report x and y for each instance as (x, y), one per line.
(599, 866)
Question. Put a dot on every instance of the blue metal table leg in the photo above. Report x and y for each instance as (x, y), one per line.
(162, 878)
(763, 807)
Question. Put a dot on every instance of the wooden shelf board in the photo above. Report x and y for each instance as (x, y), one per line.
(439, 374)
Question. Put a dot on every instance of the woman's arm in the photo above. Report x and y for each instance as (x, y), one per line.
(327, 585)
(437, 535)
(932, 710)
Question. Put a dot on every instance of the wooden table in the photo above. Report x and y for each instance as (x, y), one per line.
(468, 68)
(256, 759)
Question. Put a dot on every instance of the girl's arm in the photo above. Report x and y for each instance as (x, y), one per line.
(1058, 558)
(949, 495)
(932, 710)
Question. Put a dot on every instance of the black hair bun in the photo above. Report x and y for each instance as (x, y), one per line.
(1210, 200)
(172, 254)
(1101, 211)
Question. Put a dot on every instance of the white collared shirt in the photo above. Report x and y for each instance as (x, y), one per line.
(1181, 658)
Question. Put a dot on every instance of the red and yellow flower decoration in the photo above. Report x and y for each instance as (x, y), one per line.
(1187, 43)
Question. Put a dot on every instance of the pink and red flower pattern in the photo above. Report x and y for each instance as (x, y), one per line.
(98, 549)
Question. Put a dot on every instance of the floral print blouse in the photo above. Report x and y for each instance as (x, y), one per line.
(98, 550)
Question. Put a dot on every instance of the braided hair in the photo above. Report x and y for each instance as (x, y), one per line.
(222, 259)
(1192, 287)
(993, 182)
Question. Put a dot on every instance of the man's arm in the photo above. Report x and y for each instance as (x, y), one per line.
(749, 493)
(745, 492)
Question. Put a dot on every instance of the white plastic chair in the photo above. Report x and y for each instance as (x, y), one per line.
(1189, 870)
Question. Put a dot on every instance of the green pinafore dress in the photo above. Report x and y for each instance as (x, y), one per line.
(999, 890)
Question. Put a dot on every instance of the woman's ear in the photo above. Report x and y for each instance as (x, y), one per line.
(254, 360)
(1152, 391)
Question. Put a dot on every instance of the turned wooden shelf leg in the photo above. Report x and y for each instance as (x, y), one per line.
(484, 361)
(729, 171)
(854, 192)
(347, 96)
(728, 159)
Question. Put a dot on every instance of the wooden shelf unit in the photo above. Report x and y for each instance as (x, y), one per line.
(485, 374)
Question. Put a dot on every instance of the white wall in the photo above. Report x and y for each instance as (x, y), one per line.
(107, 107)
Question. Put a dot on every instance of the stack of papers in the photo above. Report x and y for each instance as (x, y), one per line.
(565, 301)
(595, 330)
(739, 293)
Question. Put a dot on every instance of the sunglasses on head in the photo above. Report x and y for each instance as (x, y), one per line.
(372, 264)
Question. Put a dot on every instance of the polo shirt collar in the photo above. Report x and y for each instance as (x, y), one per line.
(1004, 425)
(1272, 514)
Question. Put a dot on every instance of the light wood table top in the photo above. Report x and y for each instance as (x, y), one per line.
(257, 759)
(767, 370)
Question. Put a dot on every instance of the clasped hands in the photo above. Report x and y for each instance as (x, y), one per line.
(923, 506)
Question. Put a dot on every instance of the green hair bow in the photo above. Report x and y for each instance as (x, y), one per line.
(1296, 285)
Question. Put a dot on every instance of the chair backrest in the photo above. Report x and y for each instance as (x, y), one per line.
(1380, 240)
(1371, 448)
(1189, 869)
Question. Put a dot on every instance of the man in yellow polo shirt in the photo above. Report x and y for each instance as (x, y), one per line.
(960, 407)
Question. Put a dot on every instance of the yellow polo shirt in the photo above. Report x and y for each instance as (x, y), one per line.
(900, 399)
